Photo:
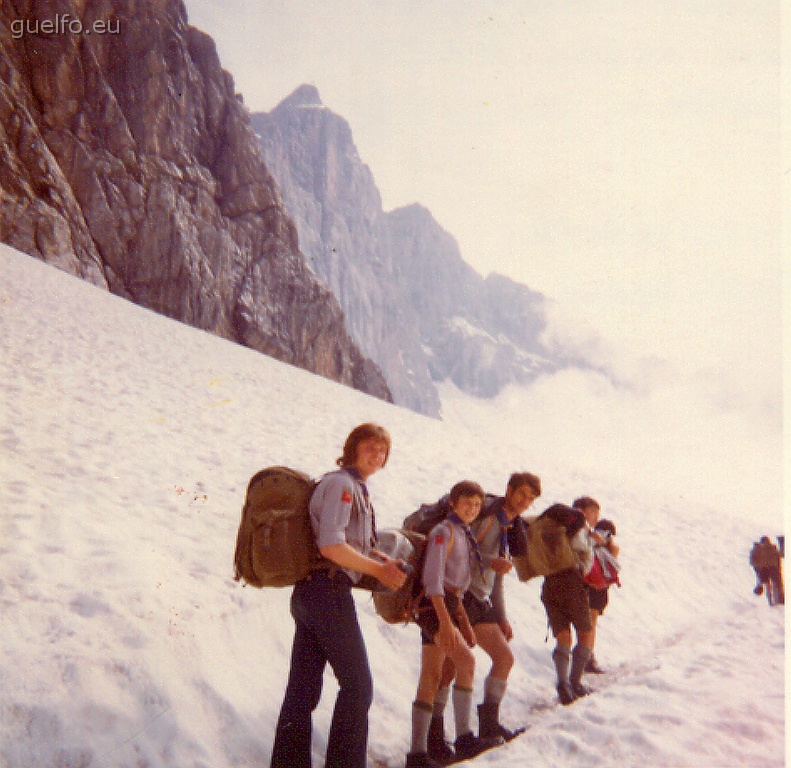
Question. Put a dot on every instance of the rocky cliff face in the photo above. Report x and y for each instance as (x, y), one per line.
(482, 334)
(412, 303)
(128, 160)
(334, 201)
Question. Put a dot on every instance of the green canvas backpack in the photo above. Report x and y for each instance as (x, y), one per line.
(547, 542)
(275, 545)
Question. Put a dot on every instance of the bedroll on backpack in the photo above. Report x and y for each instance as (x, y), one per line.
(426, 516)
(398, 606)
(275, 546)
(548, 547)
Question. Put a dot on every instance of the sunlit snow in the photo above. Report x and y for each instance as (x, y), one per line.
(126, 442)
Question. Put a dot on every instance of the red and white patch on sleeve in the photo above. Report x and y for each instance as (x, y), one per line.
(346, 497)
(439, 539)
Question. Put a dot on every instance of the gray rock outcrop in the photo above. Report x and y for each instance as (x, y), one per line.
(126, 158)
(412, 303)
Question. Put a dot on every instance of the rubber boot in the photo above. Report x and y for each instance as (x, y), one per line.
(468, 745)
(438, 748)
(489, 725)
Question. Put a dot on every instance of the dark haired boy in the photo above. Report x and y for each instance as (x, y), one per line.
(484, 603)
(451, 555)
(327, 630)
(565, 598)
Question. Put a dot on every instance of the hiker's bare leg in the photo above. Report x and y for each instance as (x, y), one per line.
(563, 636)
(464, 661)
(594, 622)
(448, 672)
(431, 668)
(431, 660)
(491, 639)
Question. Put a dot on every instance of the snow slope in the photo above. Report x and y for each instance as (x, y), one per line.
(126, 441)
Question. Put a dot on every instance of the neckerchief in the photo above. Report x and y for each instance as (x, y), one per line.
(454, 518)
(505, 524)
(355, 473)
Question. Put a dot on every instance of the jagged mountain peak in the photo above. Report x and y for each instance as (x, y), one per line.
(306, 95)
(416, 211)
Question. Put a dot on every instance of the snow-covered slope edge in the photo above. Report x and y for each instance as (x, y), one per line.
(127, 440)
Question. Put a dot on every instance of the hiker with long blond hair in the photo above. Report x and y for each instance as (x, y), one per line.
(327, 630)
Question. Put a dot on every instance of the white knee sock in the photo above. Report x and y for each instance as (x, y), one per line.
(462, 709)
(421, 720)
(494, 690)
(441, 700)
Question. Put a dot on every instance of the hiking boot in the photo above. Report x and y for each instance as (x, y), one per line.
(580, 690)
(565, 694)
(438, 749)
(508, 734)
(469, 745)
(592, 667)
(489, 725)
(420, 760)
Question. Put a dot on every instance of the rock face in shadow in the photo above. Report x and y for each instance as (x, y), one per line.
(412, 303)
(128, 160)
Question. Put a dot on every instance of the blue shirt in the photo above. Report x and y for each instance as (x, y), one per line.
(342, 513)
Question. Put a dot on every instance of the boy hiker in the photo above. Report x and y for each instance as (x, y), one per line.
(484, 603)
(603, 534)
(451, 553)
(565, 597)
(327, 631)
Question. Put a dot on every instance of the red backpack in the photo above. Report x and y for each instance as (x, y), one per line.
(604, 570)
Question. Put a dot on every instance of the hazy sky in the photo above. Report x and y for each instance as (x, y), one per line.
(623, 157)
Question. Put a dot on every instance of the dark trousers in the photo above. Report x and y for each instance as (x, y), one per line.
(327, 631)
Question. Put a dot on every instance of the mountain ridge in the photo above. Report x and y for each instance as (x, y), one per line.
(399, 276)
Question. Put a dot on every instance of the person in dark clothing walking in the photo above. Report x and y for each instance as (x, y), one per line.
(327, 630)
(765, 560)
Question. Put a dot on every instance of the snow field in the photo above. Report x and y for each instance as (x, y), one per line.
(126, 442)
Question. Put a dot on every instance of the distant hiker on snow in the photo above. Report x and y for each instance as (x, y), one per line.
(451, 554)
(765, 560)
(484, 603)
(327, 630)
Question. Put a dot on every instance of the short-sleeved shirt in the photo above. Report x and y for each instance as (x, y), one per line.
(446, 567)
(490, 534)
(342, 513)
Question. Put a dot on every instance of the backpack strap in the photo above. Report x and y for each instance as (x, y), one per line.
(485, 529)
